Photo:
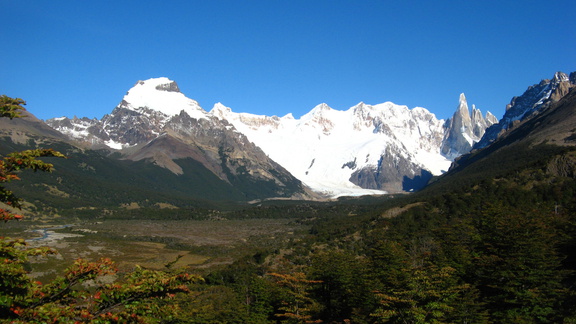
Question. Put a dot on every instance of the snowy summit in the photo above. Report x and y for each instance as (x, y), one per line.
(162, 95)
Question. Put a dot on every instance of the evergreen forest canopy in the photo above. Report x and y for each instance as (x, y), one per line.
(494, 244)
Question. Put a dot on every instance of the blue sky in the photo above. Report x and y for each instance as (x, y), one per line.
(272, 57)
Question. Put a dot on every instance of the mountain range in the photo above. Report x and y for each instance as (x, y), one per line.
(159, 143)
(365, 149)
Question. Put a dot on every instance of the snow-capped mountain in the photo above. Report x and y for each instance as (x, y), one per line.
(384, 147)
(366, 149)
(535, 99)
(140, 117)
(156, 122)
(342, 151)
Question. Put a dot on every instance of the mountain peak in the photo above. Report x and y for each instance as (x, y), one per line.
(220, 111)
(322, 107)
(319, 110)
(560, 77)
(464, 130)
(491, 118)
(463, 104)
(162, 95)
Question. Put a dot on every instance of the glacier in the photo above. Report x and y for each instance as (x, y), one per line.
(325, 147)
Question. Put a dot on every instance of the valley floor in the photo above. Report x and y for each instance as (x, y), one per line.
(199, 244)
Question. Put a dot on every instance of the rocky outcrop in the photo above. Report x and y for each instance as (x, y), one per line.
(535, 99)
(392, 174)
(169, 86)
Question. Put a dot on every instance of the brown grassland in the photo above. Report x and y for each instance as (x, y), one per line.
(153, 244)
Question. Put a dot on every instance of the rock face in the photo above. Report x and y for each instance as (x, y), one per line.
(535, 99)
(464, 130)
(391, 173)
(156, 122)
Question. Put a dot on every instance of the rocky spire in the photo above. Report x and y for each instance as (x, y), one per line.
(478, 123)
(491, 119)
(459, 134)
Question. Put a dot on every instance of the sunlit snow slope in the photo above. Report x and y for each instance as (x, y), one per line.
(325, 147)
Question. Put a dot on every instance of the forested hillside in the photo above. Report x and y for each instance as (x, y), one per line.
(500, 250)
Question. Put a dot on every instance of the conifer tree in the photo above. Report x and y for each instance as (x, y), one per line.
(297, 306)
(519, 267)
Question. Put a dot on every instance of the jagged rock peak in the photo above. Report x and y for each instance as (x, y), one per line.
(462, 99)
(479, 123)
(463, 110)
(360, 109)
(535, 99)
(464, 130)
(560, 77)
(491, 118)
(476, 116)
